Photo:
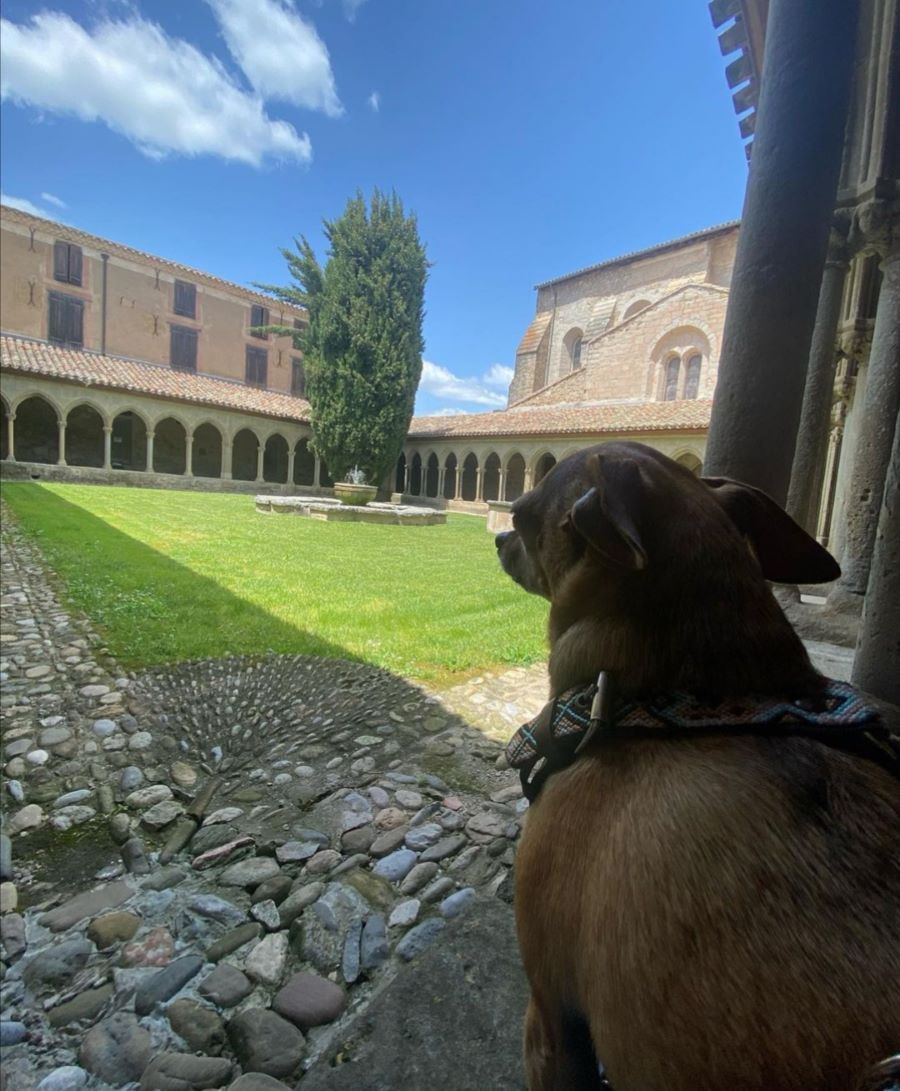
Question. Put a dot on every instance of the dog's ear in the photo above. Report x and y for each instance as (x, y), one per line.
(786, 553)
(608, 515)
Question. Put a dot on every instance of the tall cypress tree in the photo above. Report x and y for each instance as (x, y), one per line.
(363, 345)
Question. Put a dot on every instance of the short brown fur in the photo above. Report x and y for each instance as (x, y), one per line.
(719, 912)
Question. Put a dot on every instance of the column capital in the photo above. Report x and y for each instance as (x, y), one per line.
(875, 229)
(107, 428)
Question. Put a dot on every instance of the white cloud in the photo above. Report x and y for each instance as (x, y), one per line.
(498, 375)
(448, 412)
(374, 102)
(53, 200)
(23, 205)
(440, 382)
(160, 92)
(279, 52)
(351, 7)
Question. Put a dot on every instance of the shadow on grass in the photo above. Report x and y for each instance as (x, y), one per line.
(121, 584)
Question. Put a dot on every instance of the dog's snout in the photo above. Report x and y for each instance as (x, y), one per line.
(501, 538)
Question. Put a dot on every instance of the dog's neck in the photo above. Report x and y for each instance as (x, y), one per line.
(729, 644)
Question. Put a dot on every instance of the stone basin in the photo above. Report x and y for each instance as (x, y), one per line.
(357, 495)
(333, 511)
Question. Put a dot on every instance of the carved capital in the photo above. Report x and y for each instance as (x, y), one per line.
(839, 252)
(876, 228)
(854, 345)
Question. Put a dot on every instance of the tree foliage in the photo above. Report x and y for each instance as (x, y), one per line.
(363, 344)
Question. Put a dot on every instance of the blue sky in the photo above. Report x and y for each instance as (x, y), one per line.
(530, 139)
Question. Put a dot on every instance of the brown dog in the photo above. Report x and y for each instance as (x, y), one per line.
(702, 914)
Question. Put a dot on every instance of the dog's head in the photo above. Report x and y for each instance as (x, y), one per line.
(620, 533)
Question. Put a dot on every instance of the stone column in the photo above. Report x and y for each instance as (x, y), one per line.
(441, 478)
(189, 455)
(791, 189)
(107, 447)
(290, 473)
(227, 455)
(529, 479)
(501, 484)
(151, 436)
(479, 483)
(406, 478)
(11, 438)
(61, 426)
(878, 423)
(876, 668)
(260, 455)
(805, 493)
(317, 472)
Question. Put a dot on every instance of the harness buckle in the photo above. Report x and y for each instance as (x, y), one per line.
(601, 710)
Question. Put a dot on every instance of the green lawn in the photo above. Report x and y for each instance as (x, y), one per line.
(177, 575)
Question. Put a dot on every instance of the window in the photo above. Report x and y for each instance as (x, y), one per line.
(67, 262)
(185, 299)
(299, 327)
(259, 316)
(66, 324)
(672, 368)
(257, 367)
(576, 355)
(692, 376)
(298, 377)
(183, 348)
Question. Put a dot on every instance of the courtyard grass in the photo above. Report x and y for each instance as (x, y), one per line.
(167, 576)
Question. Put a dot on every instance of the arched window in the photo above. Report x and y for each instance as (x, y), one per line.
(673, 367)
(572, 342)
(636, 308)
(544, 466)
(692, 376)
(576, 355)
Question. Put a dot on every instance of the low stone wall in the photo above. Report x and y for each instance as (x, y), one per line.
(88, 475)
(499, 517)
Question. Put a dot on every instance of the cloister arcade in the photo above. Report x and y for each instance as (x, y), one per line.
(61, 426)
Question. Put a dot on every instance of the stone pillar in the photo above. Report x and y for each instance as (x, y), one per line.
(107, 447)
(791, 189)
(479, 483)
(501, 484)
(189, 455)
(878, 423)
(441, 480)
(529, 479)
(317, 472)
(260, 455)
(406, 471)
(61, 426)
(805, 493)
(11, 438)
(150, 438)
(227, 454)
(876, 668)
(290, 473)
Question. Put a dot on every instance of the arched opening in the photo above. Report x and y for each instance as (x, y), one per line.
(37, 431)
(304, 464)
(690, 462)
(432, 472)
(415, 475)
(692, 376)
(243, 455)
(84, 437)
(129, 442)
(636, 308)
(572, 343)
(170, 447)
(400, 474)
(450, 468)
(4, 434)
(491, 483)
(275, 460)
(515, 478)
(544, 465)
(206, 455)
(469, 478)
(673, 367)
(325, 478)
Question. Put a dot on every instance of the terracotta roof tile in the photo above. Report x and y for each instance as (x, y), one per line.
(621, 419)
(23, 355)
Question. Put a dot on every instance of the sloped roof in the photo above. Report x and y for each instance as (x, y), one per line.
(95, 242)
(621, 419)
(533, 336)
(28, 356)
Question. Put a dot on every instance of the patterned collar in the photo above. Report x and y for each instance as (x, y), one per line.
(565, 725)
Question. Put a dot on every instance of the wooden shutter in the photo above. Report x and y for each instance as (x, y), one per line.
(259, 316)
(298, 377)
(56, 330)
(74, 322)
(183, 348)
(256, 367)
(75, 263)
(61, 261)
(66, 320)
(185, 299)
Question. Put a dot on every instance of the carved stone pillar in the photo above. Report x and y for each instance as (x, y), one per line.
(479, 483)
(501, 485)
(227, 454)
(290, 473)
(441, 474)
(406, 472)
(189, 455)
(11, 438)
(107, 447)
(151, 436)
(260, 455)
(61, 426)
(529, 479)
(317, 472)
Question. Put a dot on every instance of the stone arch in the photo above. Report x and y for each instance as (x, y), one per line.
(36, 430)
(304, 464)
(275, 459)
(490, 489)
(682, 342)
(128, 443)
(543, 464)
(4, 428)
(400, 473)
(432, 475)
(85, 441)
(691, 461)
(468, 478)
(572, 343)
(415, 474)
(515, 477)
(170, 447)
(244, 455)
(635, 308)
(206, 454)
(451, 471)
